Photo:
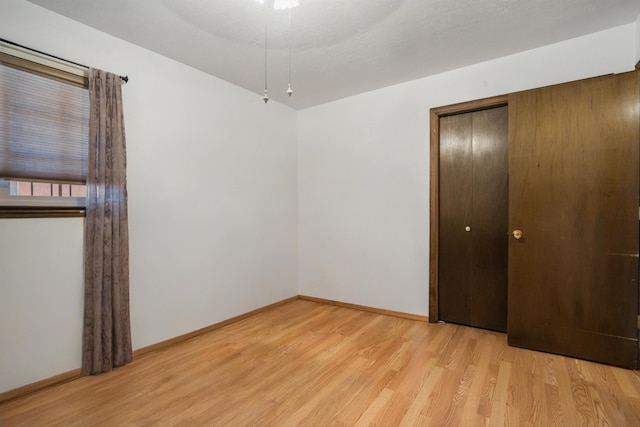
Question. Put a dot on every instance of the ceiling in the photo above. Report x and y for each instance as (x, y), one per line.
(341, 47)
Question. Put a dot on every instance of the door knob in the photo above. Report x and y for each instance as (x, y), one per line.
(517, 234)
(467, 229)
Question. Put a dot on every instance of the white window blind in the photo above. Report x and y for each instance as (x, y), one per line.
(44, 127)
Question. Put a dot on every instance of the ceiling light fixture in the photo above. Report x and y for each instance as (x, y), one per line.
(282, 4)
(277, 5)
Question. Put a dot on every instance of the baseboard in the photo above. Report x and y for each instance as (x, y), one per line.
(72, 375)
(137, 354)
(182, 338)
(365, 308)
(39, 385)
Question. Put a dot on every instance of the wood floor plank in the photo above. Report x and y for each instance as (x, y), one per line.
(416, 414)
(368, 417)
(500, 395)
(307, 363)
(605, 388)
(472, 414)
(629, 386)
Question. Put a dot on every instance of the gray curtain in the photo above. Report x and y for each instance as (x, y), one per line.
(106, 342)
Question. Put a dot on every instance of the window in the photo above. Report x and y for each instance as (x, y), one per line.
(46, 189)
(44, 122)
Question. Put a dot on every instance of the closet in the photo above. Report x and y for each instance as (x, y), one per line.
(473, 212)
(572, 230)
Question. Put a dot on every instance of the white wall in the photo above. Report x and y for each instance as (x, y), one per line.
(40, 296)
(364, 169)
(212, 207)
(638, 38)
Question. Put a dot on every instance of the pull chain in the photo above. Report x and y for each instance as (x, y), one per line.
(266, 92)
(289, 90)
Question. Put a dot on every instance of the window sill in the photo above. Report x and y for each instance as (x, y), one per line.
(41, 212)
(41, 207)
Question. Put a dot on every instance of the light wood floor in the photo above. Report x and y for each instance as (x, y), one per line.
(311, 364)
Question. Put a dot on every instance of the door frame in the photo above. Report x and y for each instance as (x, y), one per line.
(434, 195)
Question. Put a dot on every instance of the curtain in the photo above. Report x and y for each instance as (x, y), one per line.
(106, 342)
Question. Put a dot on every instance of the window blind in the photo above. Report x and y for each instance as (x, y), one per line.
(44, 127)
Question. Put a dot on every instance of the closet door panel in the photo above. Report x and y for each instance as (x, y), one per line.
(490, 218)
(454, 302)
(573, 191)
(473, 218)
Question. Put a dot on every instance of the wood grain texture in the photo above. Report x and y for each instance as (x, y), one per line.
(473, 193)
(434, 215)
(305, 363)
(490, 208)
(185, 337)
(434, 187)
(573, 191)
(40, 385)
(163, 345)
(367, 308)
(455, 278)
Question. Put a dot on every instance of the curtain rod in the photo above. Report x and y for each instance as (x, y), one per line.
(123, 78)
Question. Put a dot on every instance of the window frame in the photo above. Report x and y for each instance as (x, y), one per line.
(40, 206)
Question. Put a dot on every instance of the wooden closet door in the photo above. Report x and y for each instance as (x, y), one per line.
(573, 192)
(473, 219)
